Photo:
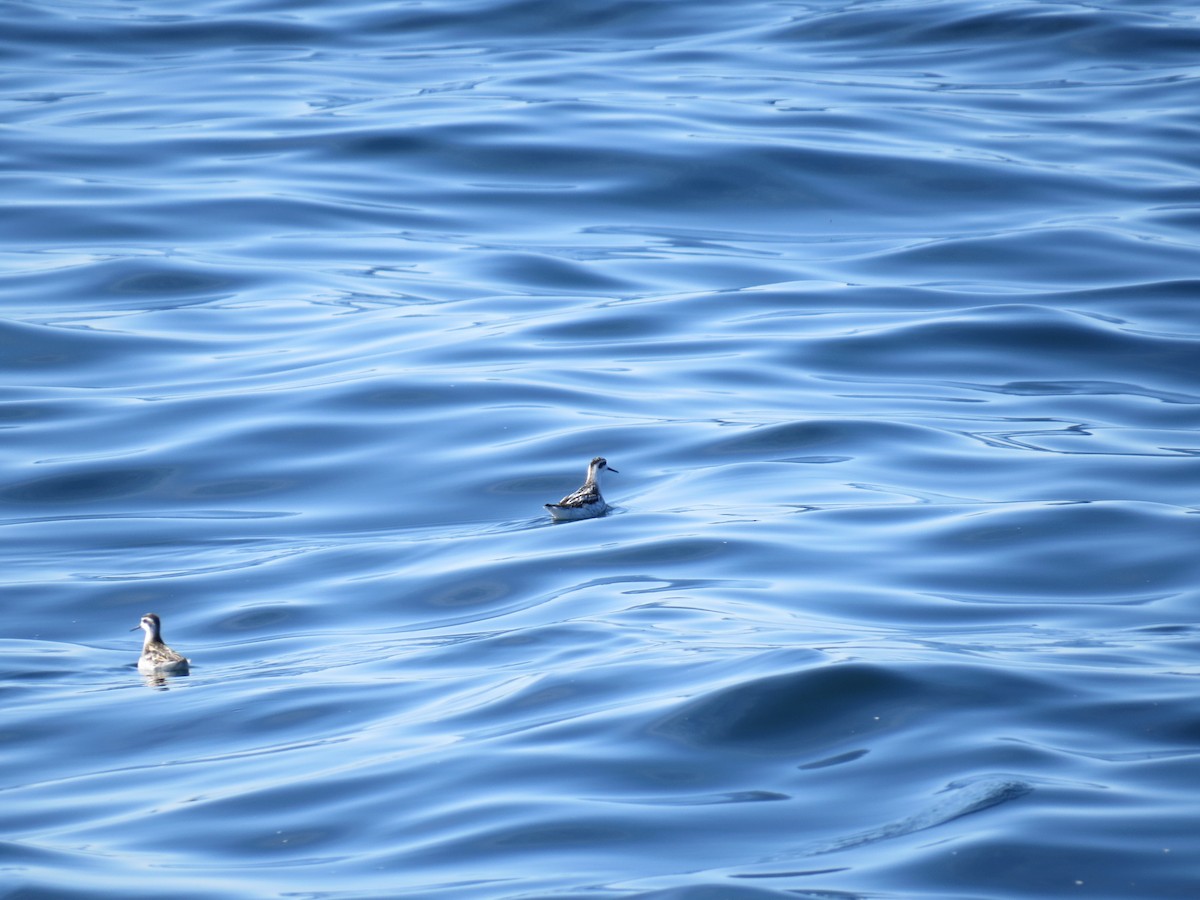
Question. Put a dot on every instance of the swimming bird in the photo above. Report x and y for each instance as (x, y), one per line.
(157, 658)
(585, 503)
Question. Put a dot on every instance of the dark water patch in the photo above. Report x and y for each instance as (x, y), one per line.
(22, 413)
(469, 594)
(1081, 550)
(260, 619)
(47, 354)
(149, 221)
(582, 26)
(122, 35)
(759, 183)
(86, 487)
(1015, 35)
(1047, 258)
(50, 873)
(817, 710)
(1057, 345)
(243, 487)
(1076, 856)
(131, 283)
(164, 281)
(1092, 388)
(548, 273)
(764, 441)
(608, 326)
(733, 892)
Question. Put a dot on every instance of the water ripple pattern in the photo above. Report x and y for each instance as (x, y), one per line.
(885, 312)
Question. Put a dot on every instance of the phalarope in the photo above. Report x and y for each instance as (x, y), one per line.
(157, 658)
(585, 503)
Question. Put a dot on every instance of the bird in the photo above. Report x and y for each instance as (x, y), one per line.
(157, 658)
(585, 503)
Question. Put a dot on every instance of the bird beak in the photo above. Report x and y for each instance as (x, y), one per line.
(611, 469)
(135, 627)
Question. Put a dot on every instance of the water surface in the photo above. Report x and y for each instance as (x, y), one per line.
(884, 311)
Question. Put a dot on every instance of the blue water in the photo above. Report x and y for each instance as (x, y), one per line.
(885, 311)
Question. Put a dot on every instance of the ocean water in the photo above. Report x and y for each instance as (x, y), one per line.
(886, 313)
